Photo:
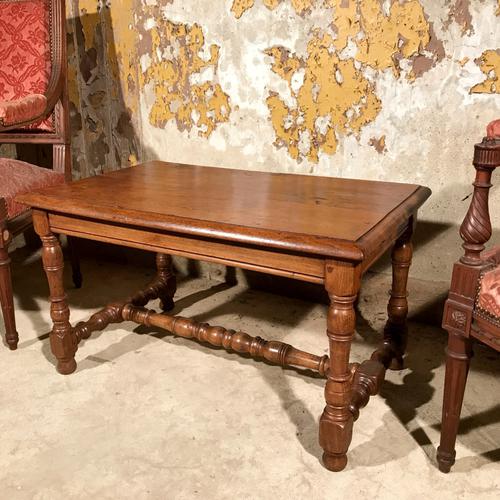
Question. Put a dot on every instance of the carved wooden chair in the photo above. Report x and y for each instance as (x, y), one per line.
(33, 109)
(472, 311)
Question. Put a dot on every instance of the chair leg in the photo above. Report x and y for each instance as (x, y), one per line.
(7, 301)
(75, 262)
(458, 355)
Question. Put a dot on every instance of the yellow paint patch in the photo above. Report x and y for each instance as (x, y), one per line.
(346, 21)
(89, 18)
(73, 85)
(401, 34)
(302, 6)
(271, 4)
(121, 37)
(385, 38)
(489, 62)
(381, 38)
(335, 99)
(241, 6)
(182, 79)
(284, 65)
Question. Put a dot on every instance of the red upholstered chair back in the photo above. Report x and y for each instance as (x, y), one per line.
(34, 105)
(26, 52)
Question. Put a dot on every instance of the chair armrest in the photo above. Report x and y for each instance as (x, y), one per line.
(57, 79)
(492, 255)
(476, 227)
(23, 110)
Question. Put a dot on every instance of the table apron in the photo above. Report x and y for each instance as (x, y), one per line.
(302, 267)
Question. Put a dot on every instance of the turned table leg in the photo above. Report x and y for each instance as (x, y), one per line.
(335, 429)
(62, 339)
(458, 356)
(163, 286)
(396, 333)
(167, 277)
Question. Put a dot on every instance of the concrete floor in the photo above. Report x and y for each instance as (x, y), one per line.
(148, 415)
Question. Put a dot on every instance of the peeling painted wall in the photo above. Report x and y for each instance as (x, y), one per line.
(378, 89)
(103, 90)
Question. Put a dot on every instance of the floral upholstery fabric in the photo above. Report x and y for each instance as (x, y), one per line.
(25, 52)
(22, 110)
(17, 177)
(488, 299)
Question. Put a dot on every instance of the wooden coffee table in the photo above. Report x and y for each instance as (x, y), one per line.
(316, 229)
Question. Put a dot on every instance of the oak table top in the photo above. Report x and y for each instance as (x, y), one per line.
(317, 229)
(320, 215)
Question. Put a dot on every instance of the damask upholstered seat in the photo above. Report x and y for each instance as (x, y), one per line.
(472, 311)
(488, 297)
(18, 177)
(33, 109)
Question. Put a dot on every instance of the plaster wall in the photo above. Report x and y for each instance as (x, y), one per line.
(375, 89)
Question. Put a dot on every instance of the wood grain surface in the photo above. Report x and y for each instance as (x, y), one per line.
(320, 215)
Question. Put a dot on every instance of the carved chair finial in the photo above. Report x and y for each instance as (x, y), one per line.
(493, 130)
(476, 227)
